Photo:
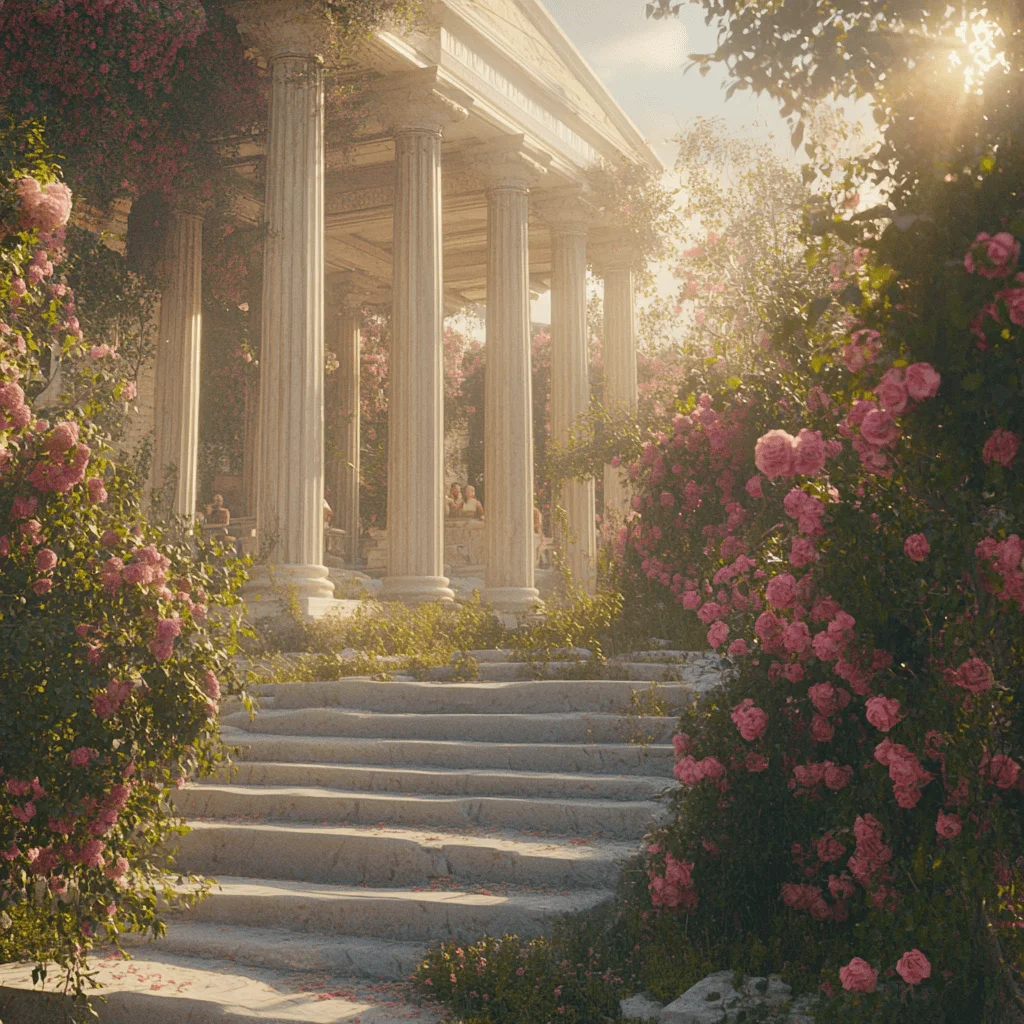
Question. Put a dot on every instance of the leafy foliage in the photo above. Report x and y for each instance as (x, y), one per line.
(117, 635)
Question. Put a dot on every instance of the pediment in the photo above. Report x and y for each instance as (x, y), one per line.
(517, 48)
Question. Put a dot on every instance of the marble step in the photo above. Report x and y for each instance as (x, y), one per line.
(653, 759)
(628, 819)
(446, 781)
(284, 949)
(161, 987)
(536, 696)
(403, 915)
(392, 856)
(645, 671)
(566, 727)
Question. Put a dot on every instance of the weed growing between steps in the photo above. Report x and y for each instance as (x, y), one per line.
(383, 639)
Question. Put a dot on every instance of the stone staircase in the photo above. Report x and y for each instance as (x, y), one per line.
(366, 820)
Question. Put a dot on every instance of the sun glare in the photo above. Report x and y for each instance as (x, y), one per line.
(979, 49)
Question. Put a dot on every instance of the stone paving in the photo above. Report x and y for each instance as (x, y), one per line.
(368, 819)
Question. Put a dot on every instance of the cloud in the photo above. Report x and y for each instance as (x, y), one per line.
(652, 46)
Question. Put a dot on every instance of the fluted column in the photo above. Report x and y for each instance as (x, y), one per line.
(290, 456)
(619, 365)
(570, 381)
(349, 325)
(416, 413)
(508, 406)
(178, 354)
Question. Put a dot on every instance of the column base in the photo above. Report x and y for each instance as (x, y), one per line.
(416, 589)
(516, 600)
(282, 583)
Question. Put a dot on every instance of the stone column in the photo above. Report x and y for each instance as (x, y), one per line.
(290, 457)
(570, 379)
(619, 364)
(418, 115)
(347, 477)
(178, 352)
(508, 406)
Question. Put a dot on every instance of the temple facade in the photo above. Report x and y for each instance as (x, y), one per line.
(462, 183)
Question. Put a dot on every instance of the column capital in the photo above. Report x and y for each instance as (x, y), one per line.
(349, 291)
(420, 100)
(190, 208)
(281, 28)
(609, 257)
(508, 162)
(566, 211)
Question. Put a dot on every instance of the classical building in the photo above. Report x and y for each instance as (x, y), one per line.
(462, 183)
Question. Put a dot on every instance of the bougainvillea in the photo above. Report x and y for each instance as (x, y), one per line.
(115, 642)
(855, 547)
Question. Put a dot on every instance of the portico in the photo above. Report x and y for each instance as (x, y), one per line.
(461, 183)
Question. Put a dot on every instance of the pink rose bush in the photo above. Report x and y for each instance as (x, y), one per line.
(109, 663)
(873, 591)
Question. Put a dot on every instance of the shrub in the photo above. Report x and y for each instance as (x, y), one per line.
(116, 635)
(861, 561)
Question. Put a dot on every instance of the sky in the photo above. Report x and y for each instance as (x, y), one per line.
(641, 62)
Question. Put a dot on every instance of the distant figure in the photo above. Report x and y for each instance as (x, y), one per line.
(216, 513)
(470, 506)
(540, 542)
(453, 501)
(328, 513)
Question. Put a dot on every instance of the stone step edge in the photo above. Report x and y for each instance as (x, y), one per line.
(510, 774)
(323, 793)
(277, 948)
(218, 992)
(613, 850)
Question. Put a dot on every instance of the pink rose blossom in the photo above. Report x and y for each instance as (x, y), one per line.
(45, 559)
(802, 552)
(974, 676)
(822, 730)
(774, 454)
(992, 255)
(781, 591)
(883, 712)
(948, 825)
(1001, 770)
(913, 967)
(796, 637)
(751, 721)
(45, 207)
(97, 492)
(717, 634)
(755, 762)
(837, 776)
(738, 648)
(879, 428)
(829, 848)
(809, 457)
(1001, 447)
(828, 699)
(24, 507)
(211, 686)
(922, 381)
(892, 391)
(81, 756)
(753, 487)
(41, 587)
(916, 547)
(858, 976)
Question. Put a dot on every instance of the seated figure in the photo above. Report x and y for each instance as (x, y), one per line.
(470, 506)
(453, 501)
(216, 513)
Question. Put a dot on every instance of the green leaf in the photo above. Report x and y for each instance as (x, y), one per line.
(972, 381)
